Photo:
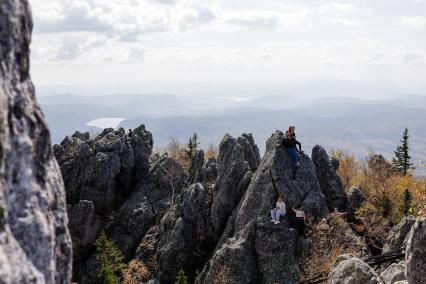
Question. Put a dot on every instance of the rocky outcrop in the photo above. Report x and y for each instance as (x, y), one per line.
(330, 183)
(397, 238)
(349, 269)
(415, 255)
(243, 255)
(150, 201)
(234, 175)
(394, 273)
(184, 235)
(209, 170)
(196, 168)
(35, 244)
(103, 169)
(356, 199)
(84, 225)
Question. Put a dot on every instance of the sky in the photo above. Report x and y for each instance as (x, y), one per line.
(171, 45)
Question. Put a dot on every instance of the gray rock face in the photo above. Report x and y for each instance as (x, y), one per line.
(348, 269)
(252, 249)
(416, 253)
(394, 273)
(330, 183)
(355, 200)
(183, 235)
(262, 194)
(196, 168)
(234, 175)
(398, 235)
(104, 169)
(209, 170)
(35, 244)
(151, 199)
(84, 226)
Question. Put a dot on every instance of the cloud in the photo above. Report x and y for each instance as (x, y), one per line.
(336, 8)
(248, 20)
(195, 16)
(409, 58)
(72, 46)
(414, 21)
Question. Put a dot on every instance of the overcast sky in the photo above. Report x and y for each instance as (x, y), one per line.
(159, 43)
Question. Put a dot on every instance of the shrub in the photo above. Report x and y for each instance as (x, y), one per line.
(181, 278)
(110, 258)
(136, 272)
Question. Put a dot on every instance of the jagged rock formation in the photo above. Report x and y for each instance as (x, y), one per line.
(349, 269)
(102, 169)
(248, 226)
(416, 253)
(196, 168)
(398, 236)
(356, 199)
(330, 183)
(35, 245)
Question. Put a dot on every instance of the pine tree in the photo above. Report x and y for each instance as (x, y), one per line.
(401, 162)
(408, 197)
(111, 259)
(192, 147)
(181, 278)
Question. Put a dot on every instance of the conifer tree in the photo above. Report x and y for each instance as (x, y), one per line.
(111, 259)
(181, 278)
(401, 161)
(408, 198)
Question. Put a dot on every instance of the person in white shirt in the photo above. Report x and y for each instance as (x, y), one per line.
(278, 211)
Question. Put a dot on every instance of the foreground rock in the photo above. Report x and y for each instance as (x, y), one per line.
(398, 236)
(330, 183)
(349, 269)
(35, 245)
(416, 253)
(394, 273)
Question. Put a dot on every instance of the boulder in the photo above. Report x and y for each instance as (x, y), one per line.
(415, 255)
(394, 273)
(35, 243)
(349, 269)
(330, 183)
(356, 199)
(397, 238)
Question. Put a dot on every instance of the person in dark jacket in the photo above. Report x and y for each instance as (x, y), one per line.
(290, 143)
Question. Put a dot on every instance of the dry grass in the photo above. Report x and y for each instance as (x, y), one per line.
(325, 247)
(136, 272)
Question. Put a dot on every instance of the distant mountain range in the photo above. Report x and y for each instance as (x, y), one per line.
(355, 125)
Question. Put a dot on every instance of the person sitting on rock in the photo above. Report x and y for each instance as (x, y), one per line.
(278, 211)
(300, 219)
(290, 142)
(323, 225)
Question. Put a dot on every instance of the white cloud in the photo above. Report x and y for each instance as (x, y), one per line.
(409, 58)
(336, 8)
(415, 21)
(262, 20)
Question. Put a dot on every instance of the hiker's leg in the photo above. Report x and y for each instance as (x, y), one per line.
(273, 211)
(278, 215)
